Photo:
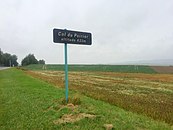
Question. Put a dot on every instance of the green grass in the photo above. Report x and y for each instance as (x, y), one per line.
(102, 68)
(28, 103)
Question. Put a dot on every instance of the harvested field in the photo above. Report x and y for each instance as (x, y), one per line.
(163, 69)
(147, 94)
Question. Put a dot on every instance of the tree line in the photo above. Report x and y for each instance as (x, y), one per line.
(9, 60)
(30, 59)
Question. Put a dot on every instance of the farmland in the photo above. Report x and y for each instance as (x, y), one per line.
(30, 103)
(146, 93)
(163, 69)
(97, 68)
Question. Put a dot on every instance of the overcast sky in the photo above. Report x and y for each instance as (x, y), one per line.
(122, 30)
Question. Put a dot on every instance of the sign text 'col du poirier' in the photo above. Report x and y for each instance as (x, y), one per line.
(72, 37)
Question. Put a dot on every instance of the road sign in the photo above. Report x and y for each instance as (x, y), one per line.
(72, 37)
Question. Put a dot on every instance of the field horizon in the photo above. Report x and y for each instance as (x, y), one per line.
(104, 68)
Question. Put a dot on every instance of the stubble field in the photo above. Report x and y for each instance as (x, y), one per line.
(147, 94)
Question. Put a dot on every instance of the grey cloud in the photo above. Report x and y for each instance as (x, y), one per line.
(122, 30)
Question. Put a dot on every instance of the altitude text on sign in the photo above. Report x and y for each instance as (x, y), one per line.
(71, 37)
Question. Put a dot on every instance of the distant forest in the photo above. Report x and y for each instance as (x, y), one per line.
(7, 59)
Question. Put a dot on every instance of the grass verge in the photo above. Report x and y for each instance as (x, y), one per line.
(29, 103)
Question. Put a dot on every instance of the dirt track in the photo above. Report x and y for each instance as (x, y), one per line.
(163, 69)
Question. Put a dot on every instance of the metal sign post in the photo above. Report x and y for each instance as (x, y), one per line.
(66, 72)
(70, 37)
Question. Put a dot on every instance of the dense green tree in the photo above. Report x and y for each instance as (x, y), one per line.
(1, 53)
(29, 59)
(41, 62)
(14, 60)
(7, 59)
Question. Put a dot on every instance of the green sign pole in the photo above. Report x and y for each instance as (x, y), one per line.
(66, 73)
(70, 37)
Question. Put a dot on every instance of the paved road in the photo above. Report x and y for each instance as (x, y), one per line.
(3, 68)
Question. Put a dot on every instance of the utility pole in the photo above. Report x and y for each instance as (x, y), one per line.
(10, 62)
